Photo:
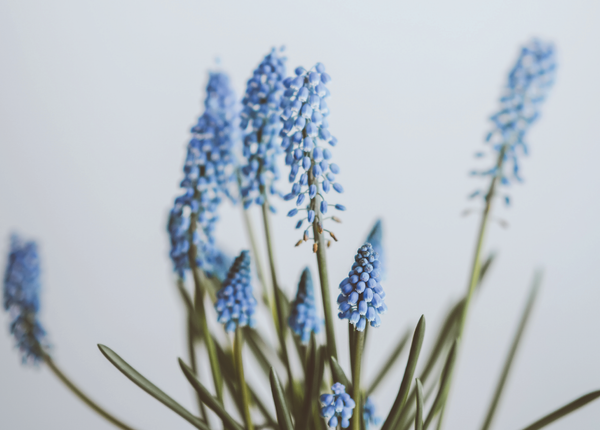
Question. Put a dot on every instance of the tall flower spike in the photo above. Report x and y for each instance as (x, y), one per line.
(304, 132)
(369, 414)
(362, 296)
(261, 117)
(337, 406)
(303, 319)
(528, 84)
(208, 172)
(21, 298)
(375, 238)
(236, 304)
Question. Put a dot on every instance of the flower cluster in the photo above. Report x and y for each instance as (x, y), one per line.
(527, 87)
(261, 114)
(303, 319)
(369, 414)
(304, 131)
(375, 238)
(208, 171)
(235, 302)
(336, 406)
(21, 298)
(361, 299)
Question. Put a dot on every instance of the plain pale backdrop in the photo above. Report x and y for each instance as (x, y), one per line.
(96, 100)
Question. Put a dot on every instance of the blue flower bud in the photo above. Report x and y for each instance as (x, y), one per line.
(338, 187)
(293, 212)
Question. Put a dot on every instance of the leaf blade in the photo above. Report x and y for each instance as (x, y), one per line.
(339, 375)
(561, 412)
(283, 414)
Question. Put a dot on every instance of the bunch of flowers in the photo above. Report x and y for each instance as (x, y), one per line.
(337, 407)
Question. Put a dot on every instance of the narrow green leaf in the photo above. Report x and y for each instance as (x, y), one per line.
(403, 341)
(208, 398)
(189, 305)
(258, 346)
(339, 375)
(420, 404)
(486, 266)
(444, 386)
(565, 410)
(413, 358)
(150, 388)
(310, 384)
(513, 349)
(283, 414)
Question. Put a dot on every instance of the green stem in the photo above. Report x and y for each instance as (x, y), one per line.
(359, 341)
(278, 297)
(239, 365)
(63, 378)
(192, 357)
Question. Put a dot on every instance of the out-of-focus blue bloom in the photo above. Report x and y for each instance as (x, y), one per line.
(369, 414)
(208, 172)
(362, 296)
(304, 132)
(303, 319)
(235, 302)
(337, 407)
(260, 116)
(375, 238)
(21, 299)
(528, 84)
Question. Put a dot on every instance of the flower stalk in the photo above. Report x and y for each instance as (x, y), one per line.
(239, 367)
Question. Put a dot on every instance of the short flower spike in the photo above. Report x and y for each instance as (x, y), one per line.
(208, 172)
(362, 296)
(262, 124)
(337, 407)
(303, 319)
(236, 304)
(21, 299)
(305, 131)
(375, 238)
(528, 84)
(369, 414)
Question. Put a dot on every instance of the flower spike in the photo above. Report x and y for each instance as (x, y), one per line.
(303, 319)
(21, 291)
(528, 84)
(375, 238)
(236, 304)
(337, 406)
(362, 296)
(369, 414)
(261, 118)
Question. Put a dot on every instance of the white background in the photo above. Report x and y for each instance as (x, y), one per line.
(96, 99)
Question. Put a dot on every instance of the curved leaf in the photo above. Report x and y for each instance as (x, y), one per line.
(444, 386)
(420, 404)
(339, 375)
(283, 414)
(567, 409)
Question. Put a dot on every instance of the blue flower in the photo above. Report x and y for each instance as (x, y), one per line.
(21, 293)
(337, 406)
(375, 238)
(260, 116)
(362, 296)
(303, 319)
(369, 414)
(208, 172)
(236, 304)
(304, 132)
(526, 89)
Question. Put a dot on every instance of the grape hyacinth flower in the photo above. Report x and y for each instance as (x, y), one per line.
(337, 406)
(304, 133)
(369, 414)
(236, 304)
(526, 89)
(362, 296)
(21, 293)
(208, 172)
(375, 238)
(261, 116)
(303, 319)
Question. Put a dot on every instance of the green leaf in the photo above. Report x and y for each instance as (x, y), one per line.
(189, 305)
(565, 410)
(150, 388)
(283, 415)
(444, 386)
(403, 341)
(486, 266)
(208, 399)
(413, 358)
(257, 346)
(420, 404)
(513, 349)
(339, 375)
(312, 383)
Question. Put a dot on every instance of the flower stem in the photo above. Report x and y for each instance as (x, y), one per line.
(239, 365)
(359, 342)
(65, 380)
(278, 297)
(194, 366)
